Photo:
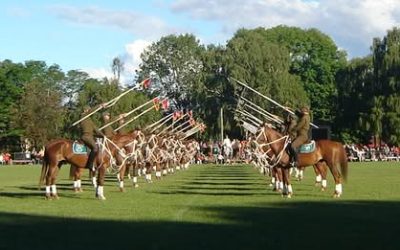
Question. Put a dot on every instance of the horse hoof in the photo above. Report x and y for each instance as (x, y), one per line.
(289, 196)
(135, 185)
(80, 190)
(101, 197)
(55, 197)
(122, 190)
(76, 190)
(323, 189)
(47, 197)
(270, 184)
(336, 195)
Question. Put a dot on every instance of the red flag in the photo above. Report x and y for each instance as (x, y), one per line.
(146, 83)
(165, 104)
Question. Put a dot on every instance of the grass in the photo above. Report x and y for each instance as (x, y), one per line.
(206, 207)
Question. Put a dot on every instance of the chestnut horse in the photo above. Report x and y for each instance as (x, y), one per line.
(327, 153)
(60, 151)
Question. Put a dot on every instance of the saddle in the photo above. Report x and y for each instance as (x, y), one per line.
(78, 147)
(307, 147)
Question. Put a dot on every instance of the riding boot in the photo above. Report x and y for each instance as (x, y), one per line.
(92, 156)
(293, 156)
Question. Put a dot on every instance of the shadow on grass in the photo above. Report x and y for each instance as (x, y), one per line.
(285, 225)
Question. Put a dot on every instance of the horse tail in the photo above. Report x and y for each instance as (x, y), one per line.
(343, 164)
(45, 168)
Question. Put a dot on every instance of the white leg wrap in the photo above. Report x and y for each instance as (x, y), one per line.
(75, 184)
(148, 177)
(324, 183)
(281, 185)
(94, 181)
(301, 174)
(118, 178)
(47, 189)
(273, 180)
(134, 179)
(79, 183)
(318, 178)
(290, 189)
(291, 171)
(187, 165)
(158, 174)
(154, 168)
(121, 184)
(338, 188)
(53, 189)
(165, 172)
(100, 191)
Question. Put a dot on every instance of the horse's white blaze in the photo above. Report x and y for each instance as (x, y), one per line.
(324, 183)
(338, 188)
(318, 178)
(53, 189)
(121, 184)
(47, 189)
(158, 174)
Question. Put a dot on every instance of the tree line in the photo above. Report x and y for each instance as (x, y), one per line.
(358, 98)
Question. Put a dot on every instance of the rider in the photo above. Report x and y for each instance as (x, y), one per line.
(302, 128)
(122, 131)
(290, 123)
(89, 129)
(108, 131)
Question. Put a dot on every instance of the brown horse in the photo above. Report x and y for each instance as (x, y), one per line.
(60, 151)
(327, 153)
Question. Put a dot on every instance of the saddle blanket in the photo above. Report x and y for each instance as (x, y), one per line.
(307, 148)
(79, 148)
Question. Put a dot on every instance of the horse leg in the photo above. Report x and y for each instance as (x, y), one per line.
(318, 176)
(321, 168)
(338, 180)
(148, 172)
(121, 176)
(52, 180)
(158, 171)
(100, 183)
(136, 170)
(287, 187)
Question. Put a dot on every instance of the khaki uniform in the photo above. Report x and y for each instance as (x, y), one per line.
(290, 125)
(302, 128)
(89, 129)
(109, 132)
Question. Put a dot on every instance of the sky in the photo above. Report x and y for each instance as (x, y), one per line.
(87, 35)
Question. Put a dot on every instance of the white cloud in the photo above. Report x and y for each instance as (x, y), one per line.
(352, 24)
(98, 73)
(134, 22)
(132, 57)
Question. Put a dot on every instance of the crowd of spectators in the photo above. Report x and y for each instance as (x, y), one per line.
(358, 152)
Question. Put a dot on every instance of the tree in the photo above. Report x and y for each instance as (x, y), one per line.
(174, 64)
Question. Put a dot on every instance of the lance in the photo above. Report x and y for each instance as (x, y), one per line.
(262, 111)
(172, 124)
(250, 116)
(134, 118)
(157, 122)
(266, 115)
(183, 129)
(107, 104)
(191, 132)
(177, 127)
(267, 98)
(126, 114)
(160, 125)
(249, 119)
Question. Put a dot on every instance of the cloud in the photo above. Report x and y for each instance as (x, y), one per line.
(98, 73)
(18, 12)
(352, 24)
(134, 22)
(133, 50)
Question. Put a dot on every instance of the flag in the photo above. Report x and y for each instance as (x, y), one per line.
(165, 104)
(146, 83)
(156, 103)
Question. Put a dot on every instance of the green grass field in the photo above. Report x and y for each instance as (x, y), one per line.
(205, 207)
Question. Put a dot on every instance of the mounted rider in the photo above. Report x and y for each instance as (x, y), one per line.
(108, 131)
(301, 129)
(88, 131)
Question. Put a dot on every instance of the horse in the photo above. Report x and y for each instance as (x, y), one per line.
(327, 153)
(60, 151)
